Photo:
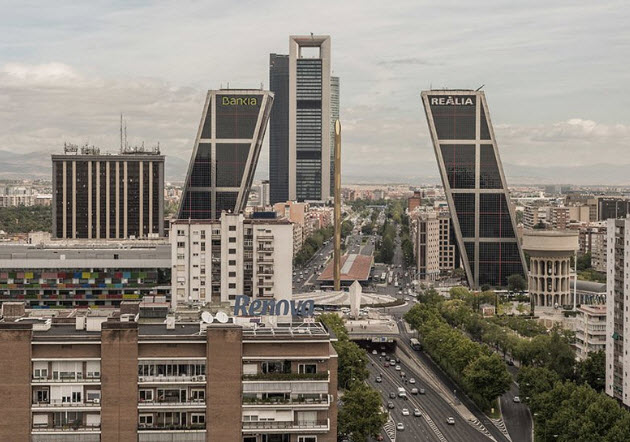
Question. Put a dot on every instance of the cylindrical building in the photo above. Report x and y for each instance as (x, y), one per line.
(550, 253)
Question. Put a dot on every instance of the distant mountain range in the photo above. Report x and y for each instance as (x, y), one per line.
(37, 165)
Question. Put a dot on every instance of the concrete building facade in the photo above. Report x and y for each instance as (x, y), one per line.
(425, 228)
(123, 381)
(550, 272)
(590, 330)
(215, 260)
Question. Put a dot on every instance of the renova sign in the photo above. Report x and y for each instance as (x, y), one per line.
(448, 100)
(243, 306)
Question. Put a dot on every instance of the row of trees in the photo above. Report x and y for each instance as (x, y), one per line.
(312, 244)
(476, 369)
(23, 219)
(361, 415)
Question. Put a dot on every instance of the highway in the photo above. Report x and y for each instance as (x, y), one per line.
(435, 409)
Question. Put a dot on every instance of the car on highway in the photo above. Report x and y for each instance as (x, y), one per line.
(412, 381)
(416, 412)
(374, 352)
(414, 391)
(516, 399)
(392, 395)
(383, 354)
(398, 368)
(405, 412)
(400, 426)
(398, 360)
(403, 374)
(422, 391)
(386, 364)
(450, 420)
(379, 379)
(390, 405)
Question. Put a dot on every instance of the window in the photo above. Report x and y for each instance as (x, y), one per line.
(232, 262)
(180, 233)
(41, 396)
(181, 244)
(146, 420)
(307, 368)
(232, 239)
(232, 228)
(40, 373)
(307, 438)
(232, 251)
(198, 395)
(197, 419)
(93, 396)
(146, 395)
(232, 285)
(232, 274)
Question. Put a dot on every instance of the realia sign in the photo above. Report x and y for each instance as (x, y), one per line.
(244, 306)
(456, 100)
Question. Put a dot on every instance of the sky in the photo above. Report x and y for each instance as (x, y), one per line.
(555, 74)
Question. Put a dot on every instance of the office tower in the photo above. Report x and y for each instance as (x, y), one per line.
(95, 376)
(612, 208)
(99, 196)
(449, 258)
(215, 260)
(223, 161)
(279, 128)
(617, 325)
(302, 129)
(475, 186)
(83, 274)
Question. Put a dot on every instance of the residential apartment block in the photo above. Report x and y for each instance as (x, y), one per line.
(425, 228)
(215, 260)
(590, 330)
(117, 380)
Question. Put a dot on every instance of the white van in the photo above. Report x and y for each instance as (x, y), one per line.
(402, 392)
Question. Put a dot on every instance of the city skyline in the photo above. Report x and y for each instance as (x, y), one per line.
(51, 74)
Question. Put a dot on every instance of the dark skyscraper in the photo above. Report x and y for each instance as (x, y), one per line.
(227, 147)
(301, 143)
(279, 129)
(475, 186)
(102, 196)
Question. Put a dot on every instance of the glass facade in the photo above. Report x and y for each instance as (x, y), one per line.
(92, 192)
(474, 185)
(279, 129)
(309, 129)
(224, 159)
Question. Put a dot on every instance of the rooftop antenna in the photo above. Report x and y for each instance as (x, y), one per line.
(479, 88)
(126, 145)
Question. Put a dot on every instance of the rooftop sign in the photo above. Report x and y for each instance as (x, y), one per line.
(243, 306)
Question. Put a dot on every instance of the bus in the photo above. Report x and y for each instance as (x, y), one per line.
(415, 344)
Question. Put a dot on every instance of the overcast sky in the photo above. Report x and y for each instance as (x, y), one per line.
(556, 73)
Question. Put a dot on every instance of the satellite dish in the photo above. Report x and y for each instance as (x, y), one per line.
(222, 317)
(207, 317)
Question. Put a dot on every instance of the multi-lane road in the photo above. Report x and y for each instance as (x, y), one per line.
(435, 410)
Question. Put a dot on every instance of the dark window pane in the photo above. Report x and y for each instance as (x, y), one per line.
(494, 216)
(489, 177)
(237, 115)
(454, 116)
(465, 209)
(225, 201)
(484, 133)
(231, 161)
(196, 205)
(459, 161)
(202, 171)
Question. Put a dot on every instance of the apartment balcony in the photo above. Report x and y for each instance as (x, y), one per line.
(173, 427)
(286, 426)
(159, 379)
(321, 376)
(275, 403)
(165, 405)
(262, 259)
(265, 283)
(66, 380)
(57, 405)
(72, 429)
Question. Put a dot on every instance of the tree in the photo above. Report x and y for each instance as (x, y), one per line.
(592, 370)
(516, 283)
(335, 323)
(367, 229)
(584, 262)
(352, 363)
(386, 253)
(458, 273)
(533, 381)
(361, 416)
(346, 228)
(488, 377)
